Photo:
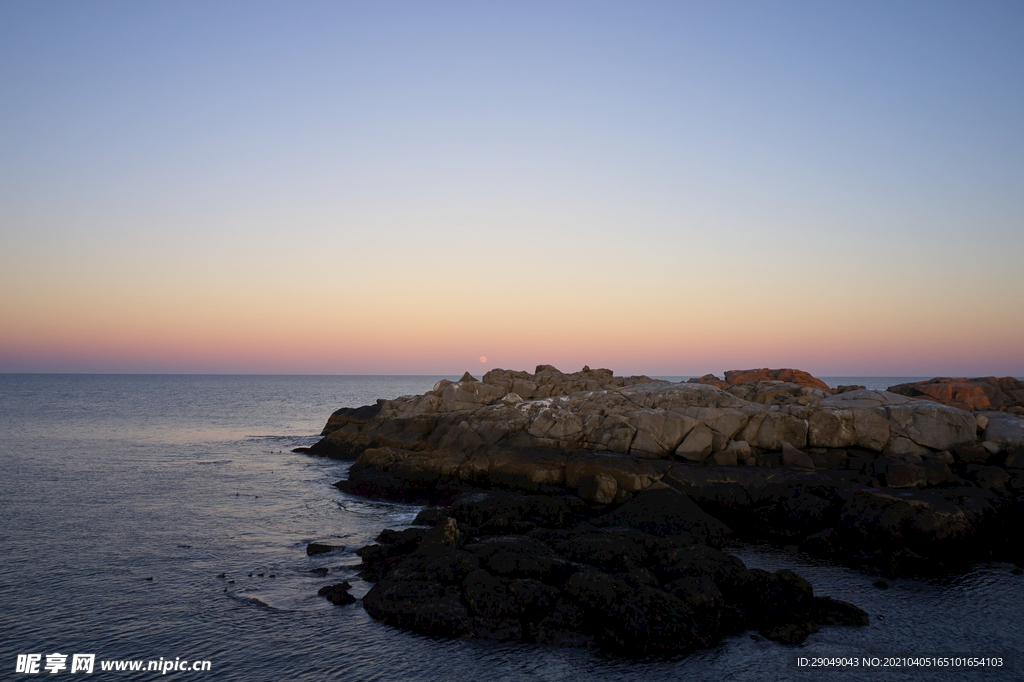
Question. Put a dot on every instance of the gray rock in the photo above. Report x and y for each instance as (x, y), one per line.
(865, 399)
(901, 447)
(659, 432)
(776, 428)
(935, 426)
(697, 444)
(831, 428)
(740, 448)
(1005, 429)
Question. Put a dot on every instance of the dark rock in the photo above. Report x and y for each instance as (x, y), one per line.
(518, 556)
(378, 560)
(430, 516)
(534, 597)
(898, 529)
(638, 577)
(829, 611)
(490, 596)
(790, 633)
(830, 459)
(905, 476)
(427, 607)
(507, 524)
(322, 571)
(793, 516)
(767, 599)
(444, 533)
(697, 561)
(796, 459)
(435, 563)
(321, 548)
(564, 624)
(987, 476)
(402, 540)
(614, 554)
(971, 452)
(881, 584)
(1014, 458)
(667, 512)
(636, 620)
(337, 594)
(698, 592)
(821, 543)
(505, 509)
(617, 586)
(598, 488)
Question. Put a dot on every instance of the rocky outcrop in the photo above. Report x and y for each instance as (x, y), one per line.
(645, 578)
(791, 376)
(980, 393)
(511, 422)
(337, 594)
(888, 523)
(605, 439)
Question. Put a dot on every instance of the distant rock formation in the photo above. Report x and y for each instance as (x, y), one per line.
(747, 376)
(981, 393)
(593, 411)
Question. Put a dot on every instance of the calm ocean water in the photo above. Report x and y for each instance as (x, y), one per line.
(107, 480)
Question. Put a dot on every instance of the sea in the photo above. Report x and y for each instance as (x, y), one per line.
(164, 519)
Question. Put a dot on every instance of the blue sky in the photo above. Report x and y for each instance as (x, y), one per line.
(208, 168)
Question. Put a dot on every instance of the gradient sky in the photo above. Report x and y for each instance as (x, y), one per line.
(403, 187)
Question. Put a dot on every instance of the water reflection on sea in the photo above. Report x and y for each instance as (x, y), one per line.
(108, 480)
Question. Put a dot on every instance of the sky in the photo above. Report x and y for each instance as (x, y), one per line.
(668, 188)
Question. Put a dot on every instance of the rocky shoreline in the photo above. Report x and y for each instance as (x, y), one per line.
(646, 578)
(588, 509)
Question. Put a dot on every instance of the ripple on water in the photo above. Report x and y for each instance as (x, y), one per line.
(106, 481)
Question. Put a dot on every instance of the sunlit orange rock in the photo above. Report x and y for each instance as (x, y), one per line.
(971, 394)
(793, 376)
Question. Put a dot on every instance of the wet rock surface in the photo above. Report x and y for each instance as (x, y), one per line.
(337, 594)
(644, 577)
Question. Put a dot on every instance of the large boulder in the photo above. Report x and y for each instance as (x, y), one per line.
(913, 530)
(939, 427)
(794, 376)
(979, 393)
(658, 432)
(1004, 429)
